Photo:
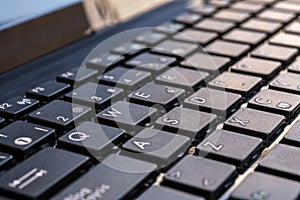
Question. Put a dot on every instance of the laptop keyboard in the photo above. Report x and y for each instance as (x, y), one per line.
(159, 118)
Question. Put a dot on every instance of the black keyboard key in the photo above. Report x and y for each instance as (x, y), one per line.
(115, 178)
(232, 15)
(244, 36)
(256, 123)
(16, 107)
(205, 62)
(247, 6)
(188, 18)
(151, 62)
(286, 39)
(180, 77)
(195, 36)
(210, 180)
(174, 48)
(104, 61)
(150, 38)
(278, 53)
(94, 95)
(214, 25)
(169, 28)
(261, 26)
(77, 76)
(295, 67)
(203, 9)
(293, 27)
(287, 82)
(5, 160)
(129, 49)
(2, 122)
(265, 69)
(159, 192)
(261, 186)
(213, 101)
(48, 91)
(127, 116)
(282, 160)
(225, 48)
(237, 83)
(187, 122)
(40, 173)
(157, 96)
(156, 146)
(23, 138)
(277, 102)
(277, 16)
(121, 77)
(292, 137)
(59, 114)
(91, 138)
(237, 149)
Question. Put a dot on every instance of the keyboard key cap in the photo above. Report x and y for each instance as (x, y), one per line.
(213, 178)
(263, 186)
(286, 39)
(104, 61)
(16, 107)
(265, 69)
(274, 15)
(195, 36)
(5, 160)
(236, 83)
(115, 178)
(183, 121)
(286, 82)
(277, 53)
(48, 91)
(243, 36)
(292, 137)
(41, 173)
(59, 115)
(169, 28)
(187, 18)
(188, 79)
(237, 149)
(262, 26)
(203, 9)
(151, 62)
(293, 27)
(150, 38)
(247, 6)
(91, 138)
(277, 102)
(95, 96)
(24, 138)
(205, 62)
(295, 67)
(256, 123)
(129, 49)
(77, 76)
(156, 146)
(158, 96)
(213, 101)
(159, 192)
(232, 15)
(121, 77)
(224, 48)
(174, 48)
(127, 116)
(287, 6)
(282, 160)
(214, 25)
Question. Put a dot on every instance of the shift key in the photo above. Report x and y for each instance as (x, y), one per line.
(37, 176)
(115, 178)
